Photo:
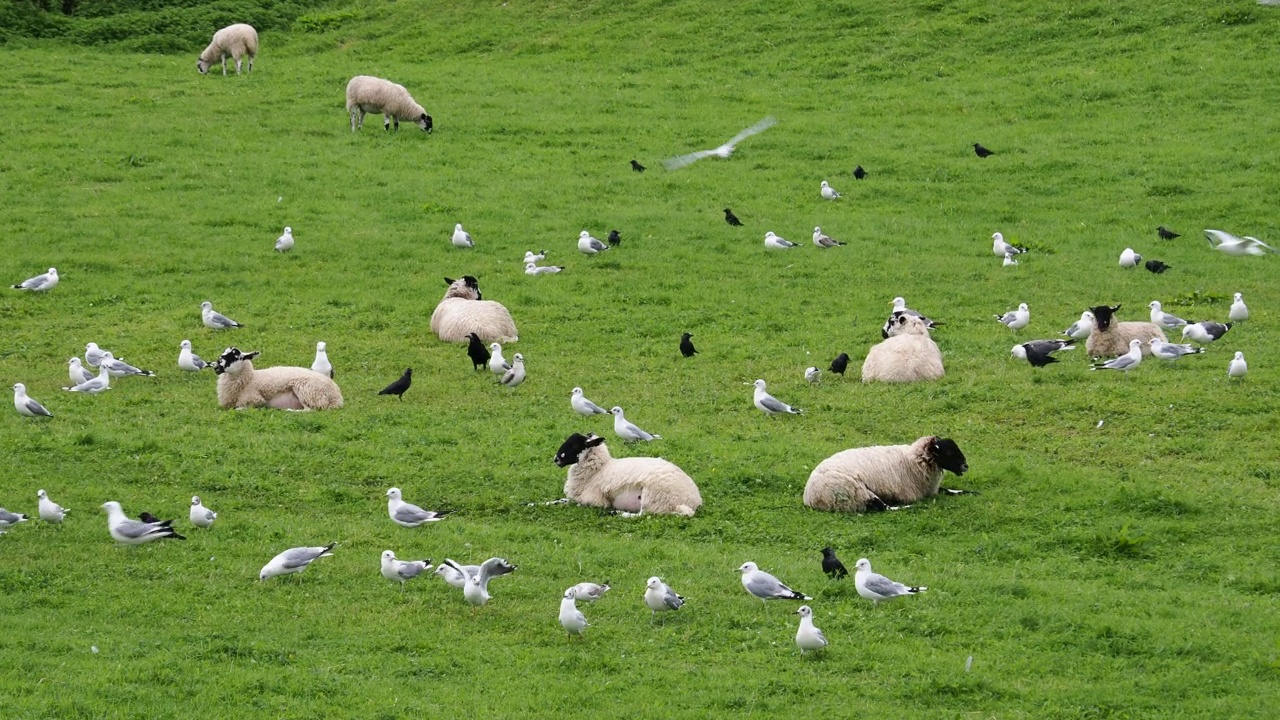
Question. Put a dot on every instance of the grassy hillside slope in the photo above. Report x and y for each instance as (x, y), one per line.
(1121, 570)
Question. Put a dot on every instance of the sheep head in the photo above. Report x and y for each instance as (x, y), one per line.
(424, 122)
(903, 324)
(946, 455)
(572, 449)
(1103, 314)
(466, 287)
(230, 359)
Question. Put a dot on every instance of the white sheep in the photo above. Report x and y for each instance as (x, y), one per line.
(236, 41)
(630, 485)
(286, 388)
(1109, 339)
(907, 355)
(367, 94)
(881, 476)
(464, 311)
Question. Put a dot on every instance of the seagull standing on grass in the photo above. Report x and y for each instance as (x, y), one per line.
(628, 430)
(1081, 328)
(294, 560)
(1205, 332)
(201, 516)
(1165, 320)
(188, 360)
(771, 405)
(774, 242)
(120, 368)
(590, 591)
(762, 585)
(461, 238)
(25, 406)
(50, 511)
(215, 320)
(402, 571)
(1016, 319)
(827, 192)
(1170, 351)
(589, 245)
(476, 590)
(583, 406)
(321, 363)
(724, 150)
(407, 514)
(284, 243)
(135, 532)
(1238, 367)
(659, 597)
(96, 385)
(1125, 362)
(497, 364)
(571, 618)
(515, 375)
(808, 636)
(823, 240)
(1239, 311)
(813, 375)
(1129, 259)
(40, 283)
(10, 518)
(93, 354)
(878, 588)
(1008, 260)
(1000, 248)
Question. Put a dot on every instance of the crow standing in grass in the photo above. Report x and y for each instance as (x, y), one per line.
(1166, 234)
(981, 151)
(1156, 266)
(859, 173)
(478, 353)
(732, 219)
(686, 345)
(831, 564)
(637, 166)
(840, 364)
(398, 387)
(614, 238)
(147, 517)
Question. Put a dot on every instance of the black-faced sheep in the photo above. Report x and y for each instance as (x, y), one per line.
(464, 311)
(284, 388)
(1111, 339)
(631, 485)
(236, 41)
(907, 355)
(367, 94)
(875, 478)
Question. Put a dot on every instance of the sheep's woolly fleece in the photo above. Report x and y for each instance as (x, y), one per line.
(874, 477)
(908, 355)
(635, 485)
(240, 385)
(462, 312)
(368, 94)
(1111, 339)
(235, 41)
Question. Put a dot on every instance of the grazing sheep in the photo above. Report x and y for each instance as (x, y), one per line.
(235, 40)
(630, 485)
(874, 478)
(287, 388)
(463, 311)
(367, 94)
(907, 355)
(1112, 340)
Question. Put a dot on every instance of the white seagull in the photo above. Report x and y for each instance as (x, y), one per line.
(808, 636)
(589, 591)
(771, 405)
(50, 511)
(25, 405)
(135, 532)
(762, 585)
(1008, 260)
(583, 406)
(724, 150)
(533, 269)
(659, 597)
(96, 385)
(39, 283)
(402, 571)
(461, 238)
(1227, 243)
(120, 368)
(188, 360)
(1081, 328)
(628, 430)
(823, 240)
(93, 354)
(1239, 311)
(813, 375)
(1171, 351)
(284, 243)
(200, 515)
(1205, 332)
(1016, 319)
(1238, 367)
(497, 365)
(589, 245)
(10, 518)
(476, 590)
(1125, 362)
(1129, 258)
(321, 364)
(215, 320)
(407, 514)
(532, 257)
(571, 618)
(877, 588)
(515, 375)
(827, 192)
(1000, 248)
(1165, 320)
(294, 560)
(774, 242)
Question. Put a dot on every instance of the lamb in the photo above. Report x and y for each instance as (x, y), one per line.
(235, 40)
(370, 94)
(288, 388)
(1107, 340)
(882, 476)
(907, 355)
(629, 485)
(464, 311)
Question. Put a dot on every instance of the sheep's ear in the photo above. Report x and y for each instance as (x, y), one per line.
(1115, 309)
(594, 440)
(448, 281)
(251, 355)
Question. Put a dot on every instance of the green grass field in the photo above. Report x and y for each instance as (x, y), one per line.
(1123, 571)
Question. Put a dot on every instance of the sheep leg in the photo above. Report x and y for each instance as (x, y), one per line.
(251, 70)
(238, 61)
(224, 65)
(386, 122)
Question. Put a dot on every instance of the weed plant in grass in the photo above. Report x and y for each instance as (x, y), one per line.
(1121, 569)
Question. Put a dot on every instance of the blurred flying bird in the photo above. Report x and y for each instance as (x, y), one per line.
(724, 150)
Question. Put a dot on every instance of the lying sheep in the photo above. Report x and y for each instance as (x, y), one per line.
(907, 355)
(285, 388)
(1112, 340)
(875, 478)
(236, 41)
(370, 94)
(464, 311)
(630, 485)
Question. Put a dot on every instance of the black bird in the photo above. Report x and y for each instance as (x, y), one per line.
(840, 364)
(637, 166)
(686, 346)
(981, 151)
(1166, 234)
(399, 387)
(1156, 266)
(732, 219)
(147, 517)
(478, 353)
(859, 173)
(614, 238)
(831, 564)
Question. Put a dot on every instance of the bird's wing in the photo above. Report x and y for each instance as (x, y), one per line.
(408, 512)
(410, 570)
(671, 599)
(1258, 243)
(37, 408)
(134, 529)
(774, 404)
(763, 585)
(597, 245)
(1221, 238)
(594, 407)
(680, 161)
(759, 127)
(882, 585)
(218, 318)
(493, 567)
(301, 556)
